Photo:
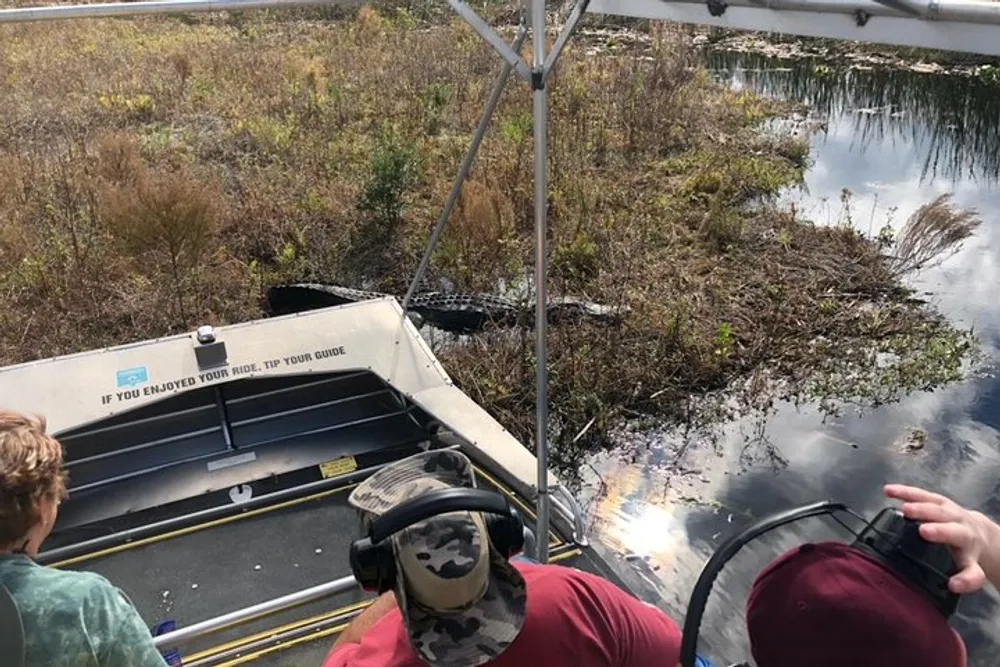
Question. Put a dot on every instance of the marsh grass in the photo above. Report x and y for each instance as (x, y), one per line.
(158, 174)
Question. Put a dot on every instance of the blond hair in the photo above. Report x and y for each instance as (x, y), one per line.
(31, 464)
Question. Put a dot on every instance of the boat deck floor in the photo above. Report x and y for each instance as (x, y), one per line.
(225, 565)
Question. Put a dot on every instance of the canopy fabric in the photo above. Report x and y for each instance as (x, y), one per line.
(972, 27)
(958, 25)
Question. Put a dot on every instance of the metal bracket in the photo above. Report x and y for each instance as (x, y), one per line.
(210, 352)
(717, 7)
(538, 79)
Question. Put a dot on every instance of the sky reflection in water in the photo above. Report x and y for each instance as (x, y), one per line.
(888, 163)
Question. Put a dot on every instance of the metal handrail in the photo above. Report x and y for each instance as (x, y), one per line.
(186, 635)
(272, 640)
(573, 512)
(254, 612)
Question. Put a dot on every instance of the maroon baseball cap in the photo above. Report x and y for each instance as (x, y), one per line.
(828, 605)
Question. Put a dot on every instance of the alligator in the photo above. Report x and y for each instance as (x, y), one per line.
(462, 312)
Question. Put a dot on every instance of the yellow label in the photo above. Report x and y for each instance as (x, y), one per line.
(337, 467)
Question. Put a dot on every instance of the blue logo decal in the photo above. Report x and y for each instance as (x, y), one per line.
(132, 377)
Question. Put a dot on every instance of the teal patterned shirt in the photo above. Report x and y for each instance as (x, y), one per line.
(76, 619)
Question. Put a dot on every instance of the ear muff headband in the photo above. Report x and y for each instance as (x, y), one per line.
(722, 555)
(433, 503)
(889, 537)
(372, 558)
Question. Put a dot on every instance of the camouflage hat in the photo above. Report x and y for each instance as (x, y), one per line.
(463, 603)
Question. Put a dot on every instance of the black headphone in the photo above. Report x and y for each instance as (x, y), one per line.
(372, 560)
(890, 538)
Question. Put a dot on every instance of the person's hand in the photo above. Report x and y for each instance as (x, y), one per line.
(969, 534)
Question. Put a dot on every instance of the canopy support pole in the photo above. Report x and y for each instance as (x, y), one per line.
(567, 32)
(477, 23)
(540, 129)
(463, 172)
(538, 75)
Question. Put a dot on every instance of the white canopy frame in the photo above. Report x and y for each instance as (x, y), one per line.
(957, 25)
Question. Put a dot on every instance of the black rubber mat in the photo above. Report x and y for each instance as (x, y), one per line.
(234, 564)
(224, 568)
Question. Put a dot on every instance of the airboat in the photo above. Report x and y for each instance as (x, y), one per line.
(210, 470)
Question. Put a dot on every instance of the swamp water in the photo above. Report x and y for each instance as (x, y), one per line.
(896, 139)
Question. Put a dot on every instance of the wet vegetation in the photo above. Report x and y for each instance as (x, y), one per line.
(906, 57)
(949, 113)
(158, 174)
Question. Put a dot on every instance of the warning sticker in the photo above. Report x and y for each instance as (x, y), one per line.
(337, 467)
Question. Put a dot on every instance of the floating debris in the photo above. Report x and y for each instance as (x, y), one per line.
(840, 56)
(913, 441)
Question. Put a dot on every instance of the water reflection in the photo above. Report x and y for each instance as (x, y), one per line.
(951, 120)
(668, 524)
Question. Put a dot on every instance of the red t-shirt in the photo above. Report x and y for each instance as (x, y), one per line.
(574, 618)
